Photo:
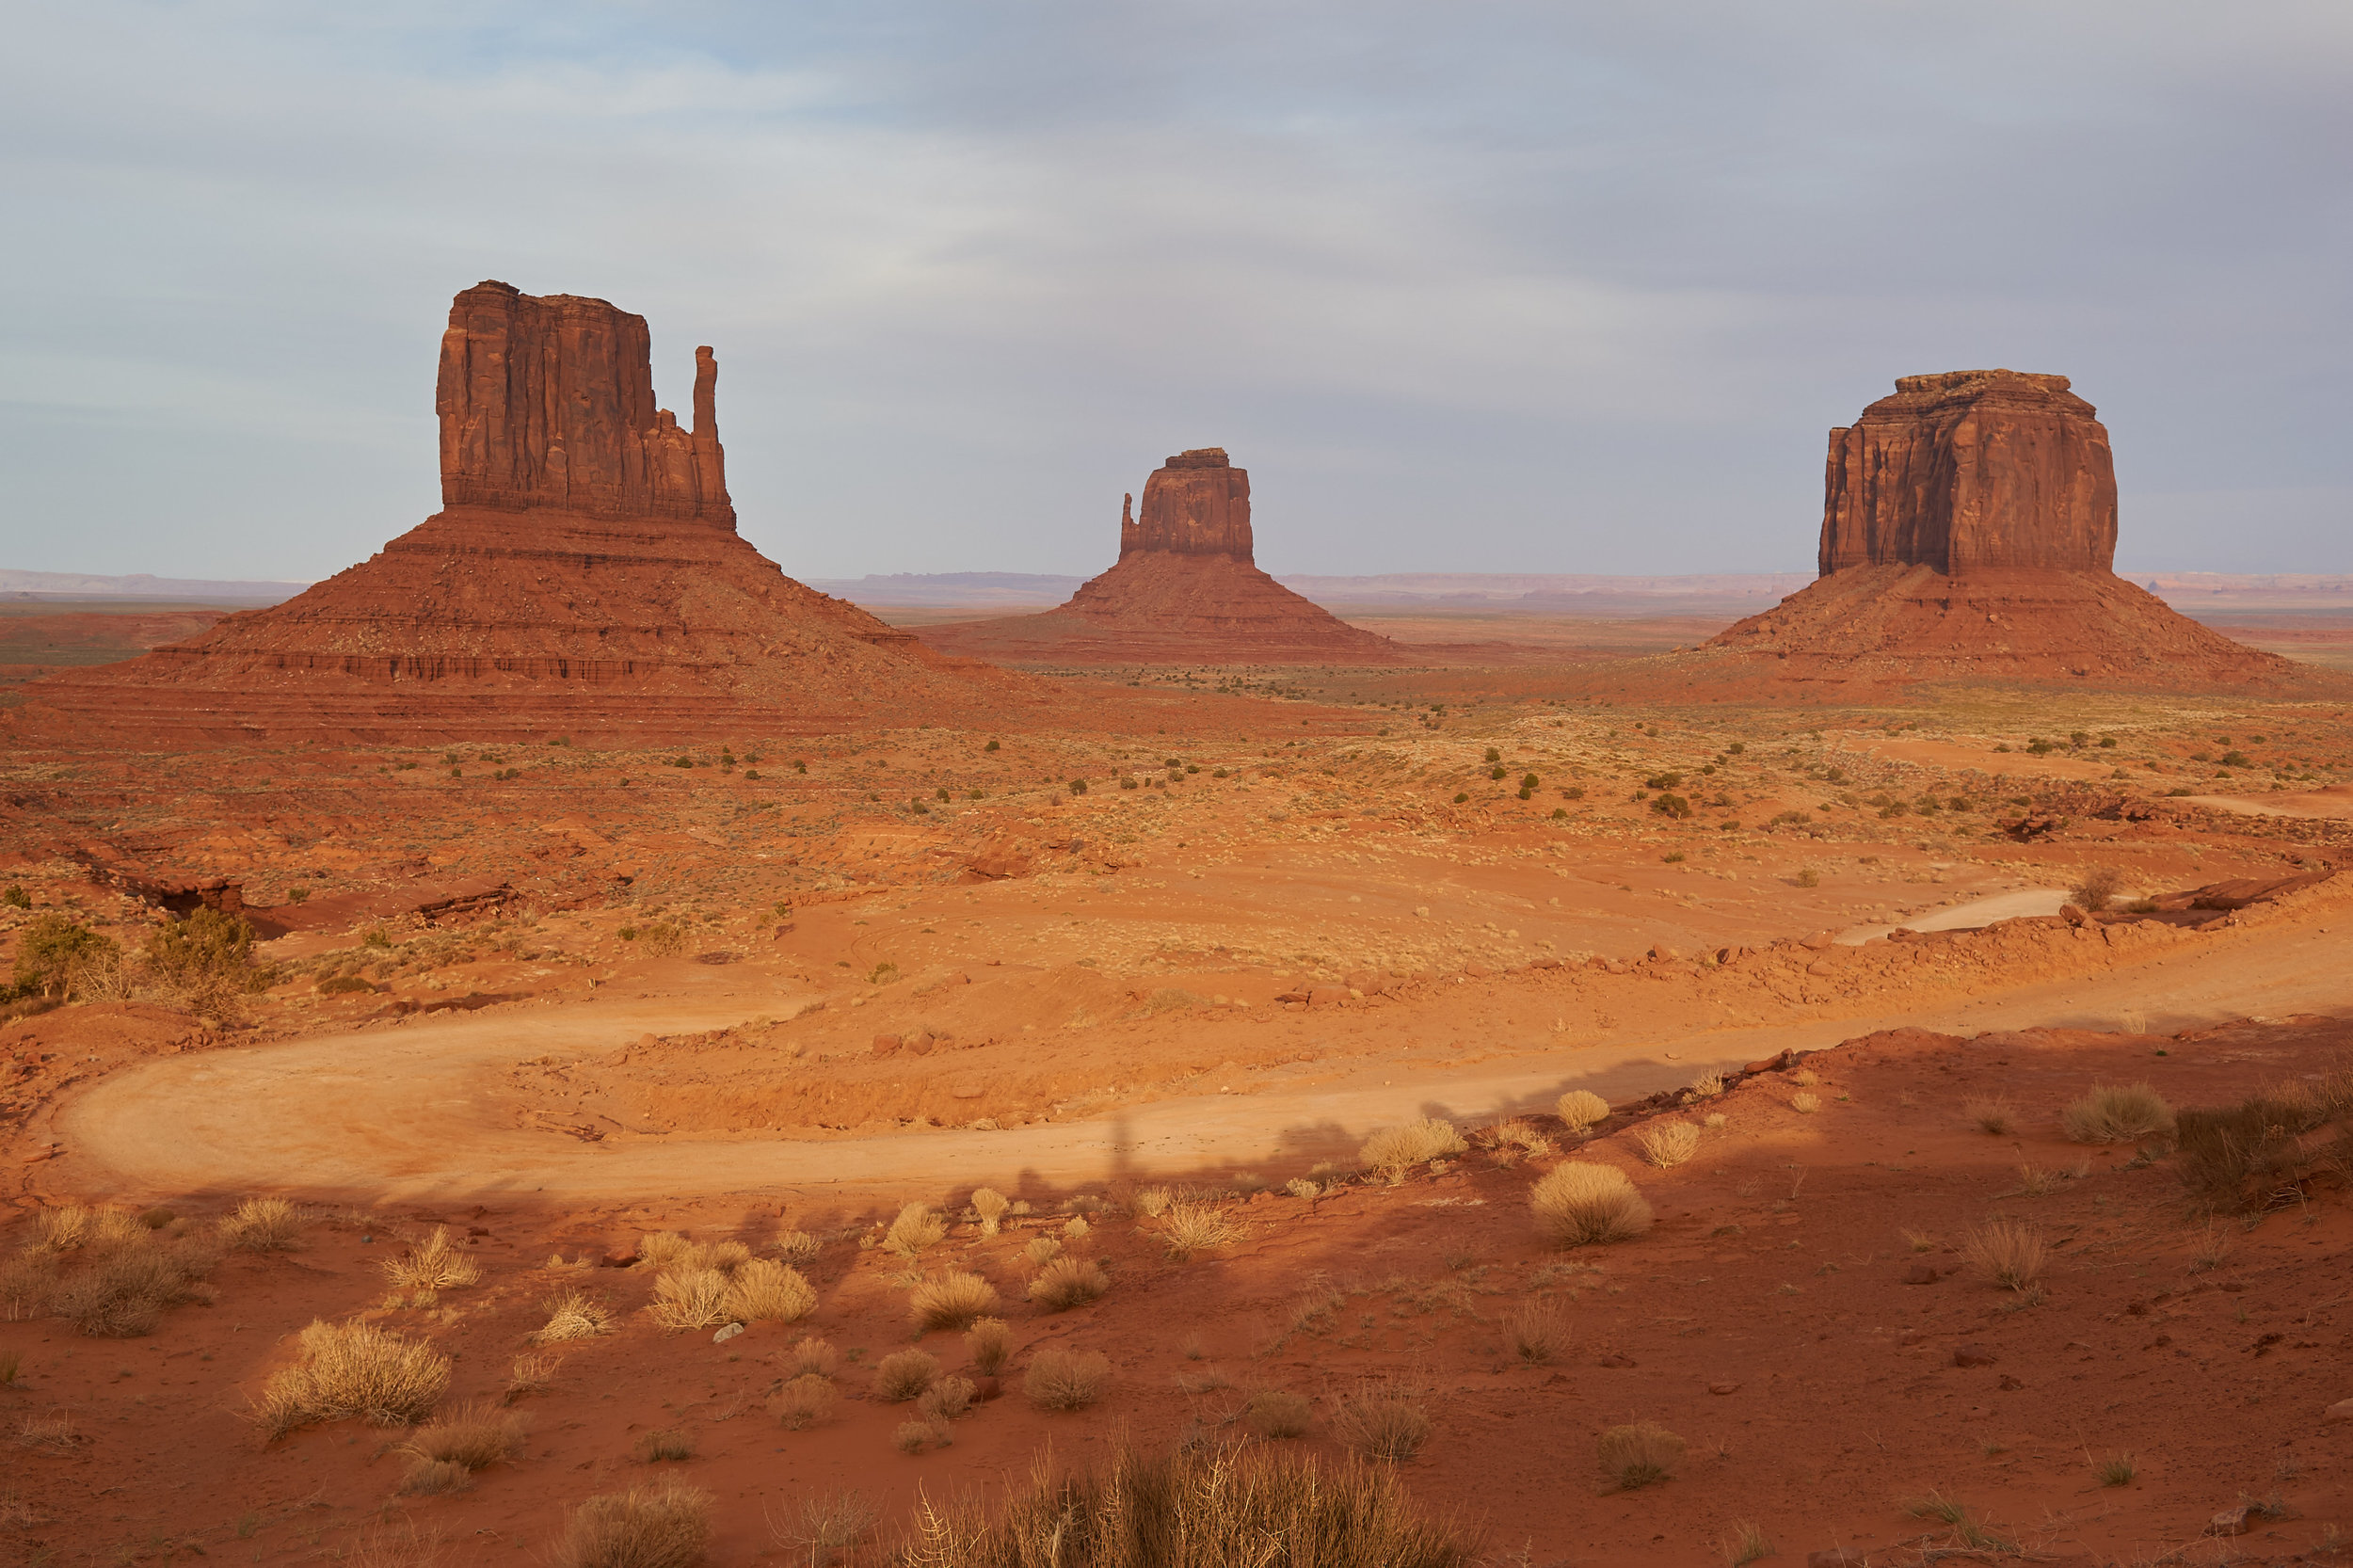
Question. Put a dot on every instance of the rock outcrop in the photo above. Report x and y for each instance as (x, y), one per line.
(583, 578)
(1968, 531)
(1186, 589)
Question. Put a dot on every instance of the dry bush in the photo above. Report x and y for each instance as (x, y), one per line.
(1394, 1150)
(1668, 1144)
(26, 1282)
(437, 1265)
(62, 1229)
(989, 1342)
(1042, 1249)
(1381, 1420)
(127, 1287)
(690, 1299)
(1805, 1104)
(1513, 1139)
(1069, 1282)
(810, 1357)
(903, 1375)
(1223, 1504)
(261, 1224)
(573, 1316)
(477, 1437)
(823, 1524)
(1153, 1201)
(432, 1477)
(1748, 1543)
(1276, 1412)
(1189, 1227)
(953, 1301)
(916, 1227)
(1708, 1085)
(1581, 1204)
(2096, 888)
(530, 1374)
(1077, 1226)
(1805, 1078)
(669, 1446)
(802, 1402)
(1634, 1456)
(912, 1436)
(667, 1251)
(2007, 1252)
(990, 1204)
(1988, 1116)
(646, 1526)
(761, 1291)
(1581, 1108)
(52, 1435)
(947, 1398)
(2252, 1155)
(395, 1545)
(354, 1371)
(798, 1246)
(1061, 1379)
(2116, 1114)
(1536, 1333)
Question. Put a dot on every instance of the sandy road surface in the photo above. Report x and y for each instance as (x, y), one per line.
(421, 1111)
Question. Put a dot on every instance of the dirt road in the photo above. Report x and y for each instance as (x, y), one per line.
(424, 1111)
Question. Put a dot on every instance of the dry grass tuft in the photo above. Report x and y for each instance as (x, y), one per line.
(26, 1282)
(1276, 1412)
(127, 1285)
(989, 1342)
(809, 1357)
(2096, 888)
(1636, 1455)
(990, 1204)
(903, 1375)
(261, 1224)
(1668, 1144)
(646, 1526)
(669, 1446)
(1394, 1150)
(1225, 1505)
(1988, 1116)
(762, 1290)
(1069, 1282)
(947, 1398)
(1581, 1108)
(912, 1437)
(1805, 1104)
(530, 1374)
(1747, 1543)
(354, 1371)
(1065, 1380)
(1708, 1085)
(1381, 1420)
(432, 1477)
(690, 1299)
(477, 1437)
(802, 1402)
(916, 1227)
(2116, 1470)
(1042, 1249)
(2116, 1114)
(1581, 1204)
(2009, 1253)
(1189, 1227)
(667, 1251)
(1805, 1078)
(573, 1316)
(953, 1300)
(437, 1265)
(797, 1247)
(1536, 1333)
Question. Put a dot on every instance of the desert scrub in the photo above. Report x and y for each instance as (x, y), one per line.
(2009, 1253)
(1061, 1379)
(1582, 1204)
(1668, 1144)
(798, 1246)
(261, 1224)
(668, 1445)
(437, 1265)
(802, 1402)
(573, 1316)
(125, 1288)
(989, 1342)
(1069, 1282)
(947, 1398)
(990, 1204)
(2096, 888)
(668, 1249)
(903, 1375)
(1634, 1456)
(1276, 1414)
(2248, 1156)
(1392, 1151)
(1189, 1227)
(1805, 1103)
(810, 1356)
(916, 1227)
(530, 1374)
(646, 1526)
(1379, 1421)
(1227, 1505)
(954, 1300)
(1988, 1116)
(348, 1371)
(689, 1299)
(762, 1290)
(1581, 1108)
(2116, 1114)
(477, 1437)
(1536, 1333)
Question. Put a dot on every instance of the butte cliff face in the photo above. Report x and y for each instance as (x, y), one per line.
(1186, 589)
(584, 577)
(1968, 531)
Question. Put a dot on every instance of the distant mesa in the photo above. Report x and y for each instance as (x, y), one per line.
(1186, 589)
(584, 577)
(1969, 532)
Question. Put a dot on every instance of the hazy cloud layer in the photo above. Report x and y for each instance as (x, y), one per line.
(1478, 287)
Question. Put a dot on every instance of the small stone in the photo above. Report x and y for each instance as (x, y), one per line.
(2011, 1385)
(1615, 1358)
(730, 1331)
(1972, 1355)
(886, 1044)
(2232, 1520)
(1724, 1389)
(2341, 1411)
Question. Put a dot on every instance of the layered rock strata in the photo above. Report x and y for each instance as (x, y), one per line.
(1968, 531)
(1186, 589)
(584, 577)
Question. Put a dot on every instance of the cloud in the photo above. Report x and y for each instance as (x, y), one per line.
(1492, 287)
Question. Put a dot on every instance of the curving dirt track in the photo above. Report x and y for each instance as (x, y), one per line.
(424, 1110)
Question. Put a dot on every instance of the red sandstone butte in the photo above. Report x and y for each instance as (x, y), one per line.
(1186, 589)
(1968, 533)
(584, 577)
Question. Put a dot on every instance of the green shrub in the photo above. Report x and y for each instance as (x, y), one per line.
(1671, 806)
(15, 897)
(53, 954)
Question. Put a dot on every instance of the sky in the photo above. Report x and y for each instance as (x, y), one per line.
(1475, 287)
